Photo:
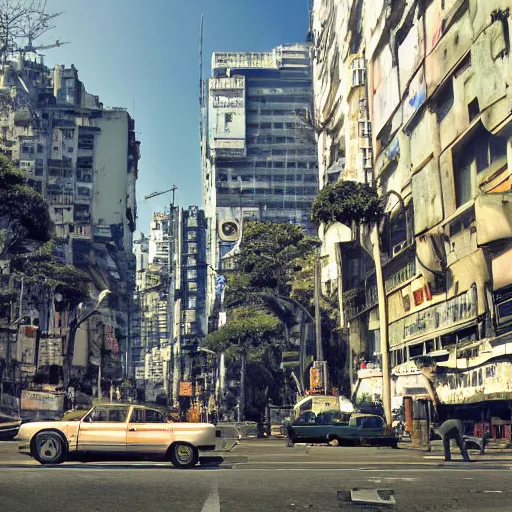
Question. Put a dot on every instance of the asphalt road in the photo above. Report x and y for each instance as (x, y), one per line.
(259, 476)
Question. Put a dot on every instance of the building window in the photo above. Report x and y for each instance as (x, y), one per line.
(444, 101)
(191, 235)
(40, 148)
(68, 133)
(477, 154)
(192, 287)
(84, 191)
(358, 72)
(192, 301)
(367, 157)
(86, 141)
(191, 261)
(84, 161)
(191, 274)
(365, 129)
(84, 175)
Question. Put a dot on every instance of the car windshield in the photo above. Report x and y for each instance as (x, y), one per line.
(266, 242)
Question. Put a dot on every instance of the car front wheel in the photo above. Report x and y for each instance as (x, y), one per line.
(184, 455)
(49, 448)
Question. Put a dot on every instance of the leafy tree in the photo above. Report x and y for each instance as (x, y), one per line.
(347, 202)
(43, 265)
(252, 340)
(266, 252)
(247, 329)
(23, 212)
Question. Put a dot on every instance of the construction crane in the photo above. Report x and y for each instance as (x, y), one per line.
(154, 194)
(35, 49)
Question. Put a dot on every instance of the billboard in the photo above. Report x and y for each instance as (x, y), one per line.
(226, 115)
(39, 401)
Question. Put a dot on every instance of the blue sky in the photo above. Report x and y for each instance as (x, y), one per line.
(143, 55)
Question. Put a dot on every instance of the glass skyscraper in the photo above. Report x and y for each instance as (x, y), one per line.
(258, 143)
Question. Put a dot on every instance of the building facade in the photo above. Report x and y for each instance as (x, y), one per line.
(414, 98)
(258, 145)
(83, 158)
(172, 305)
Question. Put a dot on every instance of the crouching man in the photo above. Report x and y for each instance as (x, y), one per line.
(452, 429)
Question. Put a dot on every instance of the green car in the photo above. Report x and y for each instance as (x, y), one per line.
(359, 429)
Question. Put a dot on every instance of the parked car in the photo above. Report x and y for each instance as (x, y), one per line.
(9, 427)
(118, 430)
(334, 426)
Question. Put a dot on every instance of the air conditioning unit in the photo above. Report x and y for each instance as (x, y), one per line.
(228, 230)
(399, 247)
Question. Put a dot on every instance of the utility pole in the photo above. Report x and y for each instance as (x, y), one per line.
(170, 287)
(321, 365)
(318, 325)
(383, 328)
(242, 385)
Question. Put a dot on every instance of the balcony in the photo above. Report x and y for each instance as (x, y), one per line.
(493, 214)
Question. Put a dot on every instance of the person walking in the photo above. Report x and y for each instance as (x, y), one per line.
(452, 429)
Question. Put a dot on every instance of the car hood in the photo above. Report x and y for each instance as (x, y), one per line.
(30, 428)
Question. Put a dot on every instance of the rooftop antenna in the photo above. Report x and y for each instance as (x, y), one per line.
(309, 36)
(201, 98)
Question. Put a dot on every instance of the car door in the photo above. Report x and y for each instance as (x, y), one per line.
(371, 427)
(148, 432)
(104, 430)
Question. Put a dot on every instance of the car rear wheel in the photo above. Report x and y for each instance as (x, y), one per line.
(184, 455)
(49, 448)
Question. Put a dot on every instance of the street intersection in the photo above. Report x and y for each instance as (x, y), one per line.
(259, 475)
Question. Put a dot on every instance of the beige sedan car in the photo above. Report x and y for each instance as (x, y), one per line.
(118, 430)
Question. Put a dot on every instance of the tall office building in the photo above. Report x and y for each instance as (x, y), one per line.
(258, 144)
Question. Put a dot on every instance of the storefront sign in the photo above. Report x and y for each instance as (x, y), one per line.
(432, 319)
(38, 401)
(185, 388)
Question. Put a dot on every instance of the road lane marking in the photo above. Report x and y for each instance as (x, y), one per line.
(212, 503)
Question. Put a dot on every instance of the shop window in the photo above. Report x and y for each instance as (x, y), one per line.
(416, 350)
